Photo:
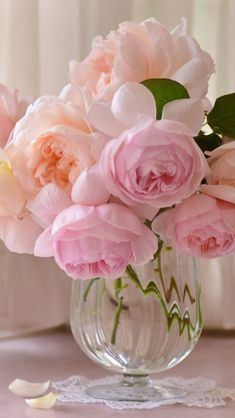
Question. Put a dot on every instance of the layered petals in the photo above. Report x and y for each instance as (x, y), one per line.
(200, 226)
(136, 52)
(134, 101)
(157, 163)
(89, 242)
(47, 204)
(50, 145)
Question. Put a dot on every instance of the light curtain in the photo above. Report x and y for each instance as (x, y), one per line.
(38, 37)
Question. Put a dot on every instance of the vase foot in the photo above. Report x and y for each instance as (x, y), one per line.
(134, 389)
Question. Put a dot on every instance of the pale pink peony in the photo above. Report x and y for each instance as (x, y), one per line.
(11, 110)
(89, 242)
(50, 145)
(136, 52)
(156, 162)
(200, 226)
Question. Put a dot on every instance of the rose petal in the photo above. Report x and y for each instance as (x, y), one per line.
(188, 111)
(89, 188)
(144, 211)
(73, 94)
(19, 235)
(28, 389)
(101, 118)
(130, 101)
(48, 203)
(44, 402)
(44, 245)
(222, 192)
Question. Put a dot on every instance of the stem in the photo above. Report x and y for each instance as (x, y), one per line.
(173, 284)
(118, 288)
(87, 289)
(172, 314)
(116, 320)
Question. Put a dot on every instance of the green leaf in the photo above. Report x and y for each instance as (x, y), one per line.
(222, 117)
(165, 91)
(208, 142)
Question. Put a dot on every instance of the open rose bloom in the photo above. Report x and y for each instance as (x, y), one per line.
(98, 176)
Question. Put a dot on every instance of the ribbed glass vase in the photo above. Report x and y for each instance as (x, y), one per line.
(144, 322)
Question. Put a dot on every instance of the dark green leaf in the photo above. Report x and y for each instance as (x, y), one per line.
(208, 142)
(222, 117)
(165, 91)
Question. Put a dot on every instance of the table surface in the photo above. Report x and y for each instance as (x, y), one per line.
(54, 355)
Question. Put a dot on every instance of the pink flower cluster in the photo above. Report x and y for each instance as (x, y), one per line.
(81, 173)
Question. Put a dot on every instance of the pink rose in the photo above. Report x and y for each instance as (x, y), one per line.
(50, 145)
(89, 242)
(136, 52)
(201, 226)
(156, 162)
(221, 181)
(11, 110)
(222, 165)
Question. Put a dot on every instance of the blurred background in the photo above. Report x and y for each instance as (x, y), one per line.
(37, 39)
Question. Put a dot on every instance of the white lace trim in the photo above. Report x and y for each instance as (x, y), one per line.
(201, 392)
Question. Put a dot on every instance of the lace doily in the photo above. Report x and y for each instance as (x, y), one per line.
(201, 392)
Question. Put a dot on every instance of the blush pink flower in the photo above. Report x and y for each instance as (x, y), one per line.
(89, 242)
(18, 230)
(47, 204)
(221, 181)
(156, 162)
(136, 52)
(200, 226)
(50, 145)
(11, 110)
(222, 164)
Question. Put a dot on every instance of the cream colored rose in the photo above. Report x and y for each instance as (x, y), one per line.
(50, 145)
(136, 52)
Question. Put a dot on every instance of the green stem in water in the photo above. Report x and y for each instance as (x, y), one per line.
(173, 284)
(172, 314)
(88, 288)
(116, 320)
(118, 288)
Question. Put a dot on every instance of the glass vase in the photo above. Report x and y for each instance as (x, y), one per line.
(144, 322)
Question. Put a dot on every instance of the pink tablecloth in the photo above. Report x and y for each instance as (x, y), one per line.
(55, 356)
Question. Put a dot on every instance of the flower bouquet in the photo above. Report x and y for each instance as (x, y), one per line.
(124, 179)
